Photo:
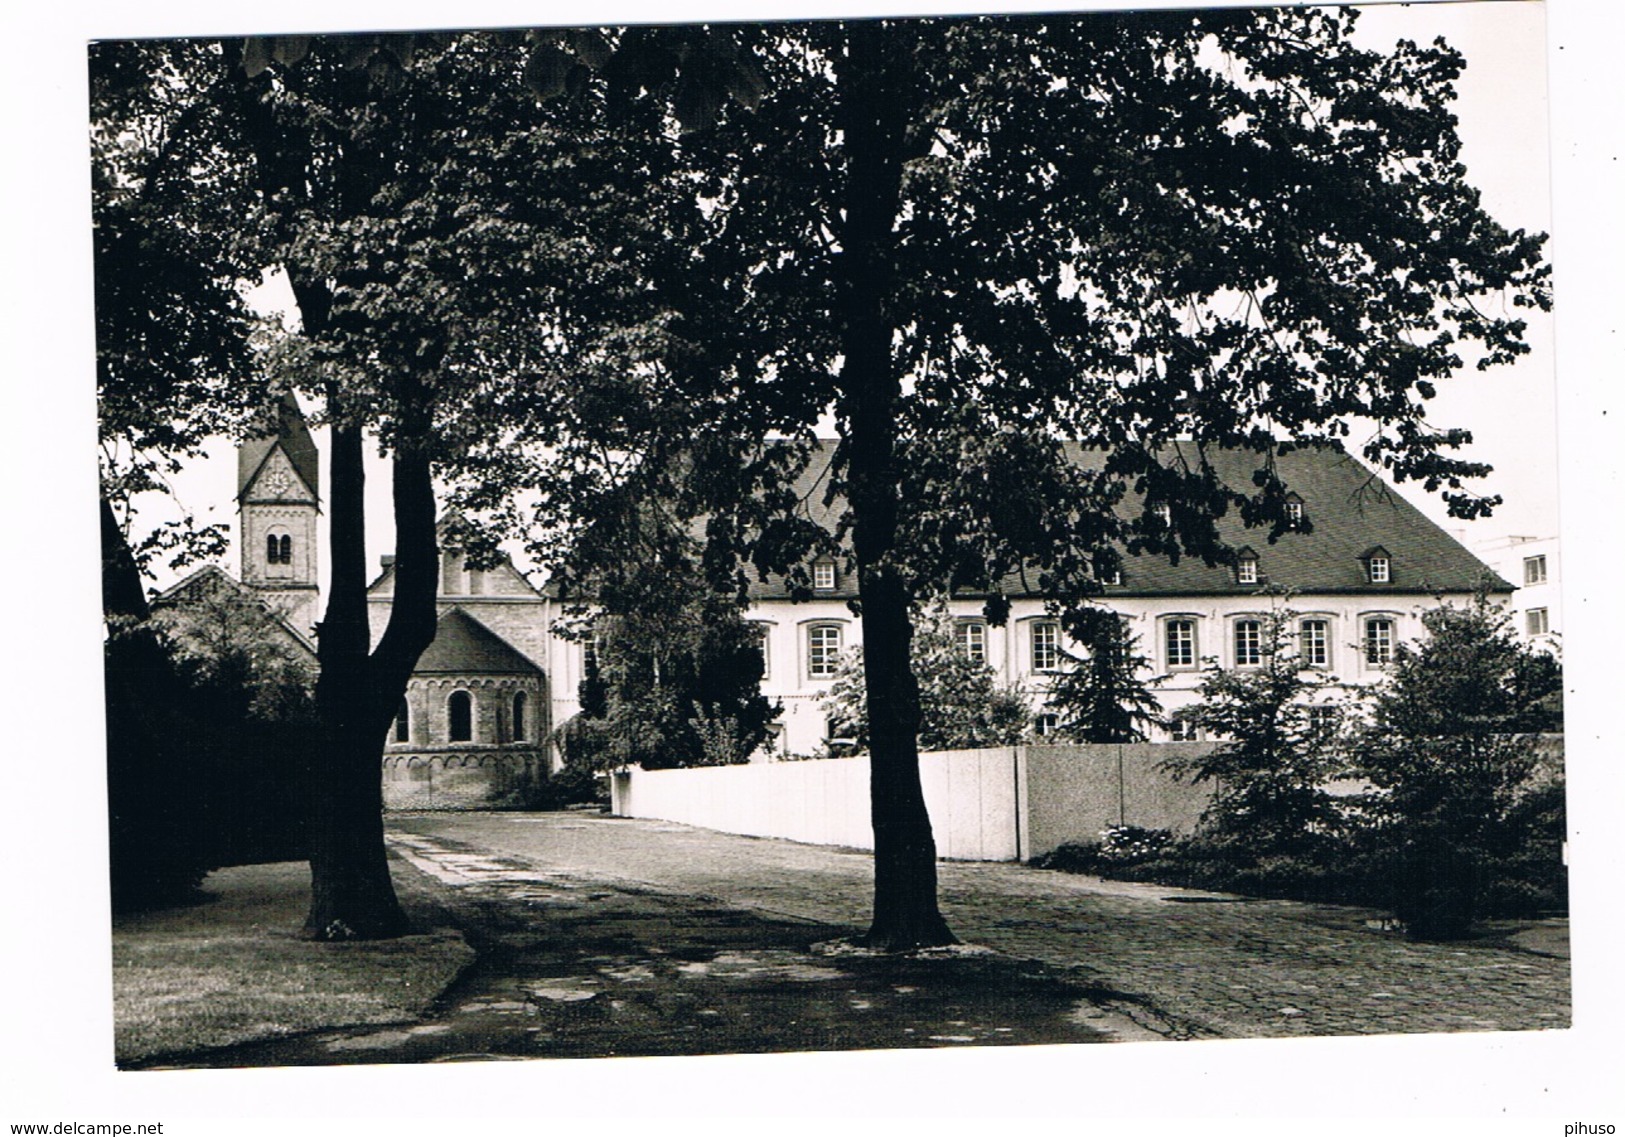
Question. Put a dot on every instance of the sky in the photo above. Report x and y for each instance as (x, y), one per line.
(55, 1042)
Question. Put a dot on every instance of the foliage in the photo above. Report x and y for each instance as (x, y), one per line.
(460, 265)
(225, 639)
(1104, 696)
(1119, 847)
(962, 703)
(211, 719)
(1277, 749)
(169, 207)
(1471, 675)
(1465, 818)
(1449, 766)
(674, 677)
(974, 238)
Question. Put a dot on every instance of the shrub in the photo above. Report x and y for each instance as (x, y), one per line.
(962, 703)
(1278, 750)
(1119, 847)
(1461, 826)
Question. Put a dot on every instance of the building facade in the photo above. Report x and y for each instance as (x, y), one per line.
(1356, 569)
(1535, 565)
(473, 729)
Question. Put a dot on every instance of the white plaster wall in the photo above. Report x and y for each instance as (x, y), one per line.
(1010, 647)
(969, 794)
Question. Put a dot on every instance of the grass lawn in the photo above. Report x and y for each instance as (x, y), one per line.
(233, 968)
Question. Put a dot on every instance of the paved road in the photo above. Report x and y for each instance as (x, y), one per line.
(1205, 965)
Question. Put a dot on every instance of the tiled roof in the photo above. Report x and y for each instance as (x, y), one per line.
(293, 436)
(464, 645)
(1349, 509)
(199, 585)
(196, 584)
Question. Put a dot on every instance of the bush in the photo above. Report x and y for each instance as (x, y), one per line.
(585, 743)
(210, 729)
(1277, 750)
(1119, 847)
(1465, 817)
(1465, 822)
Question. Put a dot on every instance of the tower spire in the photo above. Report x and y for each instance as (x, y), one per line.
(278, 480)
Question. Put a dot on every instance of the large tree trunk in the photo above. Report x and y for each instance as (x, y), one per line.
(352, 895)
(351, 891)
(873, 117)
(357, 693)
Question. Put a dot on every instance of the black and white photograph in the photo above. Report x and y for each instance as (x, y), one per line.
(846, 564)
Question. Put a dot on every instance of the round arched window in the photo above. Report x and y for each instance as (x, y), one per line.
(460, 716)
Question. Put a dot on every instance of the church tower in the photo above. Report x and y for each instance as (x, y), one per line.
(277, 503)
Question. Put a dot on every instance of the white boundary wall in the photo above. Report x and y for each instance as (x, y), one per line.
(970, 795)
(1002, 804)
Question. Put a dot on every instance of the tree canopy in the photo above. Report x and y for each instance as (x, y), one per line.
(984, 242)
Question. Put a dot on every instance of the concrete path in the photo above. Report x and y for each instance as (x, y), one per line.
(1202, 964)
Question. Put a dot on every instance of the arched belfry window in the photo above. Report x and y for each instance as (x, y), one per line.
(278, 549)
(519, 717)
(460, 717)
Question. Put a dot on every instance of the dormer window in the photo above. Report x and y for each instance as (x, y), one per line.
(1164, 512)
(1294, 511)
(1379, 566)
(1247, 567)
(824, 576)
(1107, 572)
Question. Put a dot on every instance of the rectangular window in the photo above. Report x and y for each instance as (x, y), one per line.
(1045, 725)
(1314, 648)
(1294, 513)
(1180, 640)
(1184, 730)
(1379, 641)
(1249, 643)
(1046, 646)
(1534, 570)
(1537, 622)
(824, 575)
(1323, 720)
(971, 638)
(1378, 567)
(823, 650)
(1247, 571)
(762, 645)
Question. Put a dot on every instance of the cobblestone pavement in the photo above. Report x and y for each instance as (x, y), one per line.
(1205, 964)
